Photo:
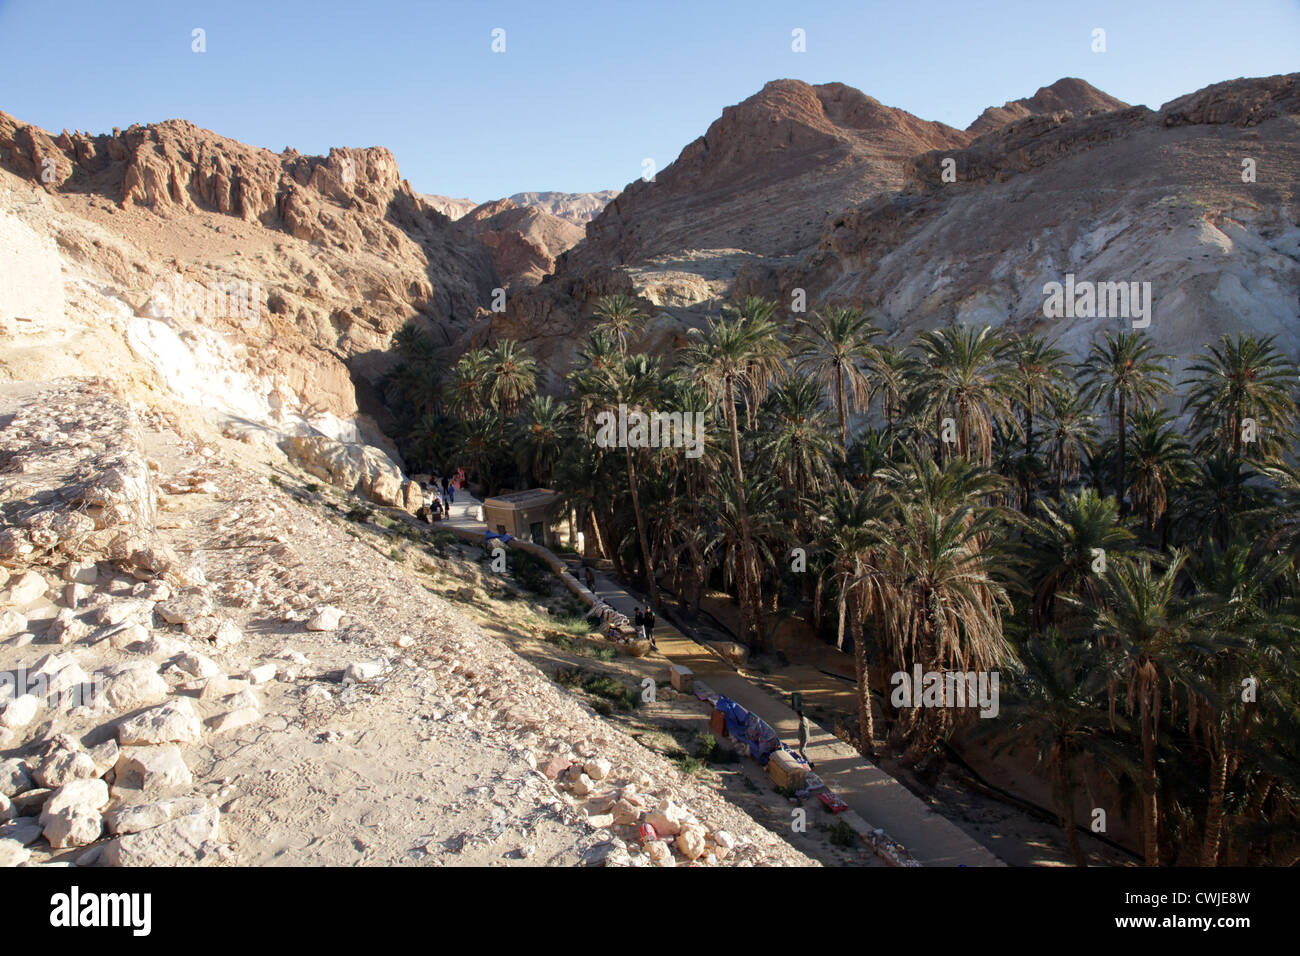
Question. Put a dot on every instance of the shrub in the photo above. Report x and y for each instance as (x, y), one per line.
(841, 834)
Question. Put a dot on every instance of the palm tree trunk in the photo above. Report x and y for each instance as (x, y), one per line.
(749, 613)
(866, 721)
(1150, 812)
(1064, 791)
(1214, 811)
(839, 402)
(651, 591)
(1123, 441)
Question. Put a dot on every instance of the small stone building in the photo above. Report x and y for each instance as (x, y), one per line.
(528, 515)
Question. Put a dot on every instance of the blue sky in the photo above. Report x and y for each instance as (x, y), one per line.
(585, 91)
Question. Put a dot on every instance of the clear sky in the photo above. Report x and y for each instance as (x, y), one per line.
(585, 91)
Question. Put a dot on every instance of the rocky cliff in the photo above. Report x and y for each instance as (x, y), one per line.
(1133, 195)
(264, 287)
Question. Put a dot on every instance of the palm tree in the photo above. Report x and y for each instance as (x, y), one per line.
(620, 317)
(544, 435)
(1036, 372)
(467, 388)
(890, 369)
(739, 357)
(1070, 434)
(637, 384)
(434, 439)
(1160, 463)
(512, 377)
(1065, 541)
(965, 373)
(836, 348)
(946, 598)
(1153, 635)
(1242, 378)
(1125, 372)
(855, 533)
(793, 436)
(1052, 704)
(1238, 590)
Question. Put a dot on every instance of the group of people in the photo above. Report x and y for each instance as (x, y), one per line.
(440, 495)
(644, 622)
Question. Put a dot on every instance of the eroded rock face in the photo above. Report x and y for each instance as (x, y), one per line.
(1068, 95)
(1129, 195)
(360, 468)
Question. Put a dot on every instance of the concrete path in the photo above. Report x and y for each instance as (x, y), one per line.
(875, 796)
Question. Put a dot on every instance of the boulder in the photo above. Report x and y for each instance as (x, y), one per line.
(690, 841)
(24, 590)
(597, 769)
(261, 674)
(71, 815)
(234, 719)
(81, 572)
(13, 853)
(184, 609)
(146, 816)
(359, 672)
(20, 712)
(667, 818)
(15, 776)
(659, 853)
(412, 497)
(152, 768)
(11, 623)
(227, 634)
(133, 684)
(23, 830)
(64, 761)
(326, 619)
(173, 722)
(186, 839)
(67, 627)
(196, 665)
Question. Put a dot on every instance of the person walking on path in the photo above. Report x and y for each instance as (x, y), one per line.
(638, 621)
(804, 730)
(649, 619)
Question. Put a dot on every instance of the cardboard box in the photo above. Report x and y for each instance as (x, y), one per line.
(718, 722)
(683, 679)
(786, 771)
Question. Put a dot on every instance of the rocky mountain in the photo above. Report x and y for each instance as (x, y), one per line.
(1067, 95)
(524, 240)
(577, 208)
(1132, 196)
(757, 188)
(122, 249)
(451, 208)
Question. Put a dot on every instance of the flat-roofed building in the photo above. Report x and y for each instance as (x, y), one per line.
(529, 515)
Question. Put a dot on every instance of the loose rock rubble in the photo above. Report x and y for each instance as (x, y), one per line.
(204, 670)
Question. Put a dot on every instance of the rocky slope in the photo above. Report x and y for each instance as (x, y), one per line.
(1067, 95)
(577, 208)
(198, 667)
(523, 240)
(127, 253)
(758, 187)
(1132, 195)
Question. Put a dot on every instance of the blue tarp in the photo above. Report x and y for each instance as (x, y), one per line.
(749, 729)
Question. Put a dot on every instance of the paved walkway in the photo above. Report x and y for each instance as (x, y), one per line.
(877, 798)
